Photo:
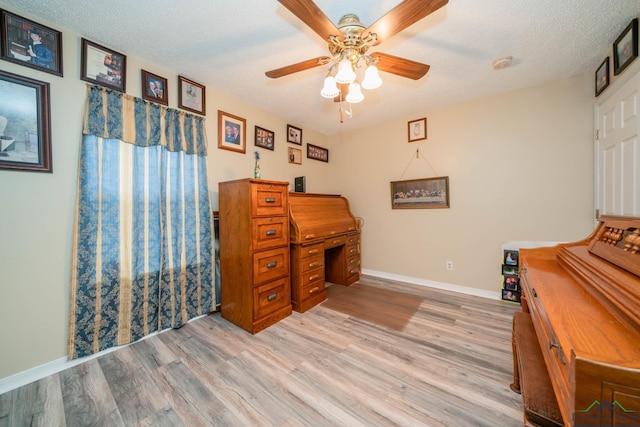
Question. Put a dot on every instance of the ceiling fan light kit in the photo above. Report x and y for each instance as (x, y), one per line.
(348, 44)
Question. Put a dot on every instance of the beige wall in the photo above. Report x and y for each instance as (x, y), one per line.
(519, 167)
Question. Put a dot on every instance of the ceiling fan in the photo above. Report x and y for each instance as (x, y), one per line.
(350, 40)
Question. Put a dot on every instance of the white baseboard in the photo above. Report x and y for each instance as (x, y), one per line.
(438, 285)
(37, 373)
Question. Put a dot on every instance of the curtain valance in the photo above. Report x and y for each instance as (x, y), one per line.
(112, 114)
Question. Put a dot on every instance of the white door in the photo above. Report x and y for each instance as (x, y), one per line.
(617, 153)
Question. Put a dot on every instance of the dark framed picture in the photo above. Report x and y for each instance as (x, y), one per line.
(509, 270)
(295, 156)
(103, 66)
(154, 88)
(317, 153)
(510, 257)
(191, 96)
(511, 283)
(625, 48)
(265, 138)
(424, 193)
(602, 76)
(294, 135)
(25, 124)
(513, 296)
(28, 43)
(232, 132)
(417, 129)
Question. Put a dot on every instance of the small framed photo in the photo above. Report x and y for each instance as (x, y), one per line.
(510, 257)
(232, 132)
(513, 296)
(295, 156)
(154, 88)
(509, 270)
(417, 129)
(294, 135)
(625, 48)
(28, 43)
(191, 96)
(103, 66)
(424, 193)
(602, 76)
(317, 153)
(25, 124)
(264, 138)
(511, 283)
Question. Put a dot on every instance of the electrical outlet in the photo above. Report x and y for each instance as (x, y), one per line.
(449, 265)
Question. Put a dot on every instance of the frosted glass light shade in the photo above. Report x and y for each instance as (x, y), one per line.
(372, 79)
(330, 89)
(355, 94)
(345, 72)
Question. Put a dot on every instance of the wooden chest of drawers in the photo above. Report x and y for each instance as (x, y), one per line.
(255, 284)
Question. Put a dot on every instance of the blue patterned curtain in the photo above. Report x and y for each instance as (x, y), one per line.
(143, 238)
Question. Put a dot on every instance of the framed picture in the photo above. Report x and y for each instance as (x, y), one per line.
(511, 283)
(295, 156)
(265, 138)
(154, 88)
(509, 270)
(513, 296)
(30, 44)
(25, 124)
(103, 66)
(417, 129)
(231, 132)
(294, 135)
(602, 76)
(317, 153)
(425, 193)
(510, 257)
(191, 96)
(625, 48)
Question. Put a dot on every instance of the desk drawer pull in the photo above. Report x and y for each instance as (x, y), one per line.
(271, 232)
(314, 277)
(316, 289)
(313, 251)
(272, 264)
(310, 236)
(335, 242)
(272, 297)
(314, 264)
(533, 291)
(353, 271)
(270, 199)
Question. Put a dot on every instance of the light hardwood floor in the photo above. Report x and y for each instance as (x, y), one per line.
(451, 366)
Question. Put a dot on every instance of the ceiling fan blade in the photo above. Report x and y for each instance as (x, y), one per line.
(310, 14)
(300, 66)
(400, 66)
(402, 16)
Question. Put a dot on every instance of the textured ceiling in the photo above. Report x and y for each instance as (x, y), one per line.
(229, 45)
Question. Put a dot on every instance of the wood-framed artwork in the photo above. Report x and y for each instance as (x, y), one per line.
(317, 153)
(294, 135)
(424, 193)
(191, 96)
(264, 138)
(28, 43)
(25, 124)
(295, 155)
(417, 129)
(232, 132)
(154, 88)
(602, 76)
(103, 66)
(625, 48)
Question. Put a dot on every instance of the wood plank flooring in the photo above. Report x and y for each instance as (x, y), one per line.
(450, 366)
